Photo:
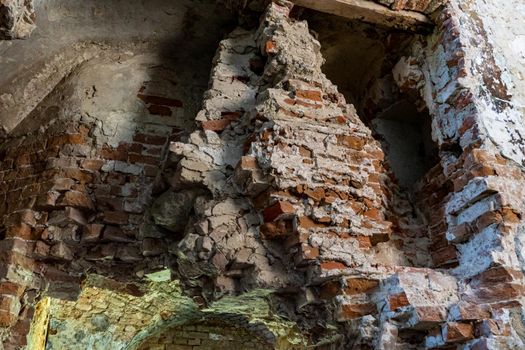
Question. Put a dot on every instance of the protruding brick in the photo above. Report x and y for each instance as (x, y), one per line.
(360, 285)
(455, 332)
(277, 210)
(397, 301)
(277, 229)
(332, 265)
(77, 199)
(348, 312)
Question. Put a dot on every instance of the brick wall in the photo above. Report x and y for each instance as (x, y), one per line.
(204, 335)
(291, 193)
(70, 203)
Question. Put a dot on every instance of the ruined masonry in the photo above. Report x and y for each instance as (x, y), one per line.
(339, 174)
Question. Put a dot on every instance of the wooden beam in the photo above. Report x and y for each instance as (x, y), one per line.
(371, 12)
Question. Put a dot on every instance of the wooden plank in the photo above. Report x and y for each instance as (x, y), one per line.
(371, 12)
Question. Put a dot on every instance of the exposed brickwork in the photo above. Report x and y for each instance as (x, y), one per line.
(70, 205)
(282, 187)
(202, 336)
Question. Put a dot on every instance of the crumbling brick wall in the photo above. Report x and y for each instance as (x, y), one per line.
(283, 187)
(470, 213)
(72, 203)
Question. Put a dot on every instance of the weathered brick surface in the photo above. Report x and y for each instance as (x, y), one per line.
(206, 335)
(320, 183)
(74, 204)
(282, 186)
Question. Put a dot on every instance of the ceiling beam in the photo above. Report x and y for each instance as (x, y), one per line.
(371, 12)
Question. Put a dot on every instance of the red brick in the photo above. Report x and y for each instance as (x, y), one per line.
(220, 124)
(24, 216)
(248, 163)
(109, 203)
(277, 210)
(6, 318)
(151, 171)
(47, 201)
(72, 139)
(332, 265)
(153, 151)
(137, 158)
(445, 257)
(114, 178)
(470, 312)
(360, 285)
(497, 275)
(330, 289)
(10, 288)
(348, 312)
(61, 251)
(77, 199)
(63, 184)
(21, 231)
(136, 148)
(82, 176)
(67, 216)
(276, 229)
(119, 153)
(309, 252)
(23, 159)
(270, 47)
(429, 317)
(92, 164)
(310, 95)
(116, 217)
(454, 332)
(317, 194)
(364, 242)
(397, 301)
(510, 216)
(21, 327)
(374, 214)
(352, 142)
(304, 222)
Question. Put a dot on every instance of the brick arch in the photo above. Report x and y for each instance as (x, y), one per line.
(213, 332)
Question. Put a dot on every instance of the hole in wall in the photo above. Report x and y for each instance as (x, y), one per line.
(359, 60)
(405, 134)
